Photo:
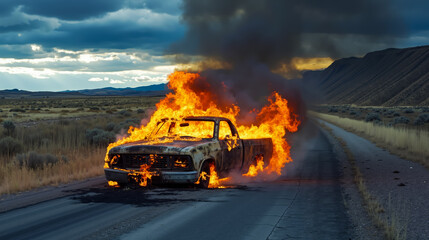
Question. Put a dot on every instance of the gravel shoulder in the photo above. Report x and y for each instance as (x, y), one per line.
(401, 186)
(362, 225)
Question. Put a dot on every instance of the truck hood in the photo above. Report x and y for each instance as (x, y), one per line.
(144, 147)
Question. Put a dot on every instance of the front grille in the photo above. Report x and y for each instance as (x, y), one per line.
(155, 161)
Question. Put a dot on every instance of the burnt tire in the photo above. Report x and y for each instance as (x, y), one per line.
(204, 183)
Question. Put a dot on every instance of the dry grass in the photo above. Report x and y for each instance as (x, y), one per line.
(66, 139)
(407, 143)
(391, 226)
(86, 163)
(68, 143)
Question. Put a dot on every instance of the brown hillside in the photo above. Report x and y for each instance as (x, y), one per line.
(391, 77)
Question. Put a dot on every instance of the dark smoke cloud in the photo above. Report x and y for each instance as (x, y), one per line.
(258, 37)
(274, 31)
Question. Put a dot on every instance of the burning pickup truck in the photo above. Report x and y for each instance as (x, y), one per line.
(186, 151)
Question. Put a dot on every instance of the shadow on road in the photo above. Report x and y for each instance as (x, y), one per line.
(142, 197)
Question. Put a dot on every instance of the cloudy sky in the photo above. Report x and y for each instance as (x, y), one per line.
(82, 44)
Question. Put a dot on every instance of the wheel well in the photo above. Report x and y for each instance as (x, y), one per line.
(210, 160)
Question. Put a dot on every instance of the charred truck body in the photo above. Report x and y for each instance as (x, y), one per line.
(180, 150)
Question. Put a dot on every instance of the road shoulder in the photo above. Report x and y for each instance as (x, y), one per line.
(401, 186)
(362, 226)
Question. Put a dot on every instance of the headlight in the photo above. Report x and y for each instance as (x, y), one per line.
(182, 162)
(114, 159)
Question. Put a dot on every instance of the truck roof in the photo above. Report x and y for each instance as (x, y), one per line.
(207, 118)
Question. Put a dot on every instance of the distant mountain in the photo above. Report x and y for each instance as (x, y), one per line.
(390, 77)
(158, 89)
(16, 93)
(152, 90)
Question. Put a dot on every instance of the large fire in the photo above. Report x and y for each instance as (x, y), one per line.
(272, 121)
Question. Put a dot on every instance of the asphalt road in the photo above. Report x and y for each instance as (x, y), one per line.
(304, 203)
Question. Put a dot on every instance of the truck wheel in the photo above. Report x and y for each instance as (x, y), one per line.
(206, 169)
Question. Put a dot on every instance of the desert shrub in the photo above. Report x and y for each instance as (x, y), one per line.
(126, 124)
(140, 111)
(10, 146)
(422, 119)
(110, 126)
(9, 127)
(378, 122)
(388, 113)
(125, 113)
(1, 110)
(371, 117)
(408, 110)
(104, 139)
(333, 109)
(100, 137)
(133, 121)
(17, 110)
(396, 114)
(401, 119)
(34, 160)
(94, 108)
(355, 113)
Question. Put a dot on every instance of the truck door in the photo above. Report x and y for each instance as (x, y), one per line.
(231, 145)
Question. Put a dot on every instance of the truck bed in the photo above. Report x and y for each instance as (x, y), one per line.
(254, 147)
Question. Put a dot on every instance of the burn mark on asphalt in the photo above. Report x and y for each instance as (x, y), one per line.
(137, 197)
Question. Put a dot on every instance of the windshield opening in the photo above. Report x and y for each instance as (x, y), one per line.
(185, 129)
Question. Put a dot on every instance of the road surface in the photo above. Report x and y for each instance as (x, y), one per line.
(304, 203)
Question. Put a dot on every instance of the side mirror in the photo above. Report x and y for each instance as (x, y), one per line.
(184, 125)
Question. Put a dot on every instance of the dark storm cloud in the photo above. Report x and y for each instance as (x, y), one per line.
(414, 13)
(83, 9)
(97, 24)
(108, 35)
(170, 7)
(26, 26)
(114, 35)
(272, 32)
(7, 6)
(15, 51)
(70, 9)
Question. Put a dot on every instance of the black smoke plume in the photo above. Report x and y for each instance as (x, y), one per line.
(257, 37)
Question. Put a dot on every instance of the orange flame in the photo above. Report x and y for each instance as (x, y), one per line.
(215, 181)
(113, 184)
(273, 121)
(143, 175)
(255, 169)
